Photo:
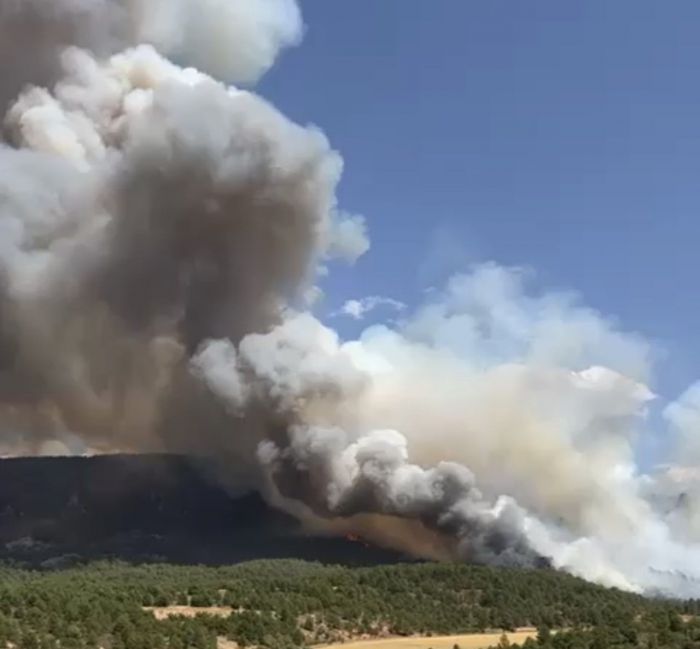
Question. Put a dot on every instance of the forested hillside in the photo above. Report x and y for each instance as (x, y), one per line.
(294, 603)
(147, 508)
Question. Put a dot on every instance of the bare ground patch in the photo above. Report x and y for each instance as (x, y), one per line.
(164, 612)
(225, 643)
(465, 641)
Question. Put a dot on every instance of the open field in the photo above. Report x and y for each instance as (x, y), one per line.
(465, 641)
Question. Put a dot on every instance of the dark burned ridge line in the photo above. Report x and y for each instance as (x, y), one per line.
(147, 508)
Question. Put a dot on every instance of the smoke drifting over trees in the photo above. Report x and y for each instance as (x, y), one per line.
(160, 235)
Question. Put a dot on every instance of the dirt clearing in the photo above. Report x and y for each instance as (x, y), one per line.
(164, 612)
(465, 641)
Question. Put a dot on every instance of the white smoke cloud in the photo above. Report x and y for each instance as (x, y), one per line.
(489, 316)
(677, 486)
(359, 309)
(348, 238)
(234, 40)
(683, 416)
(217, 365)
(375, 419)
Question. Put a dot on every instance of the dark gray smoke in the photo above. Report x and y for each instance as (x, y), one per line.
(375, 477)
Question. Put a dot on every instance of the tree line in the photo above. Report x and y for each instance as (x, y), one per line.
(289, 603)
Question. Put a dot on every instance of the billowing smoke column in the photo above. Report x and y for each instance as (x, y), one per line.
(146, 208)
(160, 237)
(235, 40)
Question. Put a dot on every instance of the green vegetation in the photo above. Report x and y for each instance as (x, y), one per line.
(280, 604)
(658, 627)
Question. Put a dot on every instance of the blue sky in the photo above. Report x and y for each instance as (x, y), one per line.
(556, 134)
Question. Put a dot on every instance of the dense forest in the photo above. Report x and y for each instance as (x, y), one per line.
(656, 628)
(294, 603)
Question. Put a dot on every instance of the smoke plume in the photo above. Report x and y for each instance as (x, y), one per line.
(234, 40)
(161, 234)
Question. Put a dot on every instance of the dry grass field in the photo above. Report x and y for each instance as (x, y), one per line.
(468, 641)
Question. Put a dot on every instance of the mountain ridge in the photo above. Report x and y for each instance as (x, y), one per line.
(145, 508)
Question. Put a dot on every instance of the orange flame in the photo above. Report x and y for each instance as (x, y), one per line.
(356, 539)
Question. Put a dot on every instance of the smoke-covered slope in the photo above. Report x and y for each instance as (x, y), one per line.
(55, 510)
